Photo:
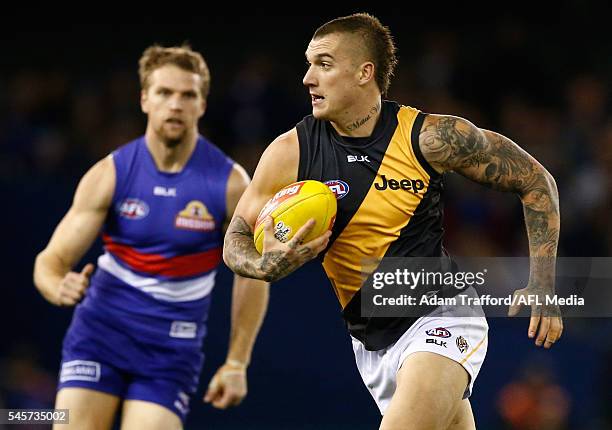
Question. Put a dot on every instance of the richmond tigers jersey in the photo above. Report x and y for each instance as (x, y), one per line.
(389, 205)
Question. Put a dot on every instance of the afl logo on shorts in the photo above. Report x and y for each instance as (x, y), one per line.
(195, 217)
(133, 209)
(438, 332)
(338, 187)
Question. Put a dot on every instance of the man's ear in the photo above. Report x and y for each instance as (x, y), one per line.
(143, 101)
(366, 73)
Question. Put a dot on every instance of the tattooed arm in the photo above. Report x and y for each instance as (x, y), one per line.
(277, 168)
(455, 144)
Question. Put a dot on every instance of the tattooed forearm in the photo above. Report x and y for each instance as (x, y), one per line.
(451, 143)
(239, 250)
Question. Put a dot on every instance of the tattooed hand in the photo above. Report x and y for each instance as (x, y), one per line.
(452, 143)
(278, 259)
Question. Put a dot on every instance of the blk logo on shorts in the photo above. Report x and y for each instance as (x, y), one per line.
(436, 342)
(462, 344)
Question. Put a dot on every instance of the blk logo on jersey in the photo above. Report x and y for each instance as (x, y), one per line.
(164, 192)
(438, 332)
(133, 209)
(357, 158)
(414, 185)
(195, 217)
(338, 187)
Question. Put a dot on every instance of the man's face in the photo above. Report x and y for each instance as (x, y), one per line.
(173, 102)
(333, 75)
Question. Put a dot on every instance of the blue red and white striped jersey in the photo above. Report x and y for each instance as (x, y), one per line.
(163, 234)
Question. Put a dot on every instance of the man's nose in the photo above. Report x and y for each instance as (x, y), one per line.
(309, 78)
(175, 102)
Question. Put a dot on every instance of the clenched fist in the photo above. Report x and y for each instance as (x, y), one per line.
(73, 286)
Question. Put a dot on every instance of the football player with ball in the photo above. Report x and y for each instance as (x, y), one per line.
(385, 163)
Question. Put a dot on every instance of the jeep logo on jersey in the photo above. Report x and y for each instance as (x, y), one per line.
(195, 217)
(133, 209)
(338, 187)
(438, 332)
(414, 185)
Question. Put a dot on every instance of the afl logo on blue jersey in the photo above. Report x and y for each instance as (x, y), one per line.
(133, 209)
(338, 187)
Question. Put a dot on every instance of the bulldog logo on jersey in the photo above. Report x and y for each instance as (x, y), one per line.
(195, 217)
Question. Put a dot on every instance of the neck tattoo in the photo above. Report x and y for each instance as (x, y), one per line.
(356, 124)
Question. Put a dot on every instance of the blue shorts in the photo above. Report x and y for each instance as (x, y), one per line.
(132, 356)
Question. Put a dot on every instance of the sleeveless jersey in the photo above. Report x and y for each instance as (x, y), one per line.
(389, 205)
(162, 236)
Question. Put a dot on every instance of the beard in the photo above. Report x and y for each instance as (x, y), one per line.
(169, 138)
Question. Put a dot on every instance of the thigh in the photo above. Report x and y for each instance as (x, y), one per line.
(138, 414)
(464, 418)
(429, 392)
(89, 409)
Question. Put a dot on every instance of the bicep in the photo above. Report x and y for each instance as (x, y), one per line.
(452, 143)
(277, 168)
(83, 221)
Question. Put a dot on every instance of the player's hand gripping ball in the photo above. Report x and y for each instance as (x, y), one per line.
(293, 206)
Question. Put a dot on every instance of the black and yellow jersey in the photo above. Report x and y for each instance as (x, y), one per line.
(389, 205)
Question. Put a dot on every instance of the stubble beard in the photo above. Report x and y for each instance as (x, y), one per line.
(171, 141)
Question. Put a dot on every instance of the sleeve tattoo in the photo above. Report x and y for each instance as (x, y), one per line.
(495, 161)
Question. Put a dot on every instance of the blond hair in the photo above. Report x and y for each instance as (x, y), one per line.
(183, 57)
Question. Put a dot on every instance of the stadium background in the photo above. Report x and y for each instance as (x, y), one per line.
(69, 95)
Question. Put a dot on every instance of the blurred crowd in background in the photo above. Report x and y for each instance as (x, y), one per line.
(545, 87)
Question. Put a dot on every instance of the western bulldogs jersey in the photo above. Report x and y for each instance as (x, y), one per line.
(163, 234)
(138, 332)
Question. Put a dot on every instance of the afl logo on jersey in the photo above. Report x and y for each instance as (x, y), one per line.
(133, 209)
(338, 187)
(195, 217)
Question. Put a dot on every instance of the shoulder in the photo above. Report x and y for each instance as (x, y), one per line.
(445, 139)
(278, 165)
(97, 186)
(284, 150)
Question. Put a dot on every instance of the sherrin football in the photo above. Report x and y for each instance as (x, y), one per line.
(293, 206)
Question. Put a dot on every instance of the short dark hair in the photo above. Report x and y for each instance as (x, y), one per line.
(377, 39)
(182, 56)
